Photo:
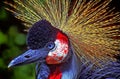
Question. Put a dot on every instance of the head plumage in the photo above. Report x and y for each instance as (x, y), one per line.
(41, 33)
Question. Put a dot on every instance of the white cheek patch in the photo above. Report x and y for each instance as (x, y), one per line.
(58, 54)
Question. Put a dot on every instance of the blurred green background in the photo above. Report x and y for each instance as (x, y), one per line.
(13, 43)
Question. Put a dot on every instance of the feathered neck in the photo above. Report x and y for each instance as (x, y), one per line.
(70, 69)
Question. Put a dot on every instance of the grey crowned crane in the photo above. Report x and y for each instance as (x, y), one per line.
(70, 39)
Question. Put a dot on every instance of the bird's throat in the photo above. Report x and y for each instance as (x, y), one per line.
(55, 73)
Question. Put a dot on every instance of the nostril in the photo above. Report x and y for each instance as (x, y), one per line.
(27, 56)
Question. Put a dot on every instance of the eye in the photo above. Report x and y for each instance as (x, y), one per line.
(50, 45)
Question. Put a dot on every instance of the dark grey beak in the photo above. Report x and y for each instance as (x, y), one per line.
(29, 56)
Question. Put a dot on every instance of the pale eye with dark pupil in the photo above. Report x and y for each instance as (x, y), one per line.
(50, 45)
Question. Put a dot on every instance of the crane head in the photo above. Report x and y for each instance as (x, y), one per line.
(46, 44)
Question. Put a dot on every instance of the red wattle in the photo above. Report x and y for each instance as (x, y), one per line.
(57, 74)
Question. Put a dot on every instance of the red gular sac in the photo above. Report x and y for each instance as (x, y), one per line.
(56, 75)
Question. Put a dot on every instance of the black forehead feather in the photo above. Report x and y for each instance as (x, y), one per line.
(41, 33)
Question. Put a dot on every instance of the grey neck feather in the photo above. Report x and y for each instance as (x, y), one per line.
(70, 69)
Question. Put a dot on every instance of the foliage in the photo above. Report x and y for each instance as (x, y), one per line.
(12, 43)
